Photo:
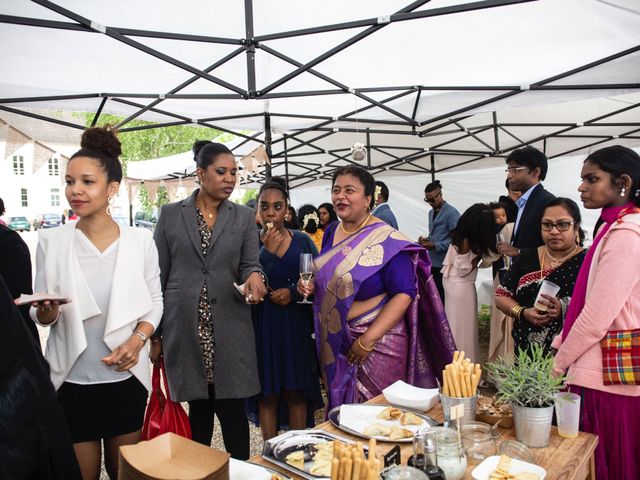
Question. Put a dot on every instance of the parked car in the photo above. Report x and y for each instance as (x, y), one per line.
(146, 220)
(121, 219)
(19, 224)
(47, 220)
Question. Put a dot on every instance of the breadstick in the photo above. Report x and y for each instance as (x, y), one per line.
(456, 354)
(372, 450)
(357, 465)
(371, 473)
(467, 377)
(474, 384)
(335, 467)
(336, 449)
(463, 384)
(453, 376)
(360, 450)
(445, 385)
(461, 357)
(348, 466)
(364, 470)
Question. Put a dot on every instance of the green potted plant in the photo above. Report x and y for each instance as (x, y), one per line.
(528, 385)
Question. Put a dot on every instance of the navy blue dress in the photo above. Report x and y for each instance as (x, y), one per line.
(285, 348)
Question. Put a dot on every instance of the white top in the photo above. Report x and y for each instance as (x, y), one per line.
(135, 296)
(97, 269)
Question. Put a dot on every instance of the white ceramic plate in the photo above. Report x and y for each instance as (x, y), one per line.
(239, 470)
(404, 395)
(489, 465)
(26, 299)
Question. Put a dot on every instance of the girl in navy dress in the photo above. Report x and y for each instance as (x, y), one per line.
(286, 350)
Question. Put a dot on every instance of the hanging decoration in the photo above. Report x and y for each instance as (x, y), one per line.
(358, 151)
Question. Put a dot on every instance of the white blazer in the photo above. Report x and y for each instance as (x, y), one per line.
(136, 295)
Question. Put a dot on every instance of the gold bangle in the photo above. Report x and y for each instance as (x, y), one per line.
(515, 311)
(365, 348)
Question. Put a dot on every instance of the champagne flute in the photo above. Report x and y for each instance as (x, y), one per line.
(306, 272)
(505, 258)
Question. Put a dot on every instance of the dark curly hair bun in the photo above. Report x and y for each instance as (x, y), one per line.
(279, 180)
(102, 139)
(102, 144)
(198, 145)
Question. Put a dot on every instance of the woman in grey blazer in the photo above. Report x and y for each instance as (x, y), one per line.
(205, 244)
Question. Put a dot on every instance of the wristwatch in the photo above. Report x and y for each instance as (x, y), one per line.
(142, 336)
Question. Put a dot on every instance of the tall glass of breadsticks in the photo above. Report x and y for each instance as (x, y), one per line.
(350, 463)
(460, 386)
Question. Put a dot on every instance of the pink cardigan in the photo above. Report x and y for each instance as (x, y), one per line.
(612, 303)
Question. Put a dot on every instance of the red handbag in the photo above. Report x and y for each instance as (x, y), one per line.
(163, 415)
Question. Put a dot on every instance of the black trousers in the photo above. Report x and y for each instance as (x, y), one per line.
(437, 277)
(233, 422)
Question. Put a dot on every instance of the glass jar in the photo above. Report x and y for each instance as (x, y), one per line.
(478, 441)
(517, 450)
(451, 456)
(402, 472)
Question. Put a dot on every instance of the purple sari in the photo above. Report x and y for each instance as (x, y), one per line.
(415, 350)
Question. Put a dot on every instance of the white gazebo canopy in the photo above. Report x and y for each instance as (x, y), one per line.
(426, 86)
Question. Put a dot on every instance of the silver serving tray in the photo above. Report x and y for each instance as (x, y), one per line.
(334, 417)
(276, 449)
(271, 470)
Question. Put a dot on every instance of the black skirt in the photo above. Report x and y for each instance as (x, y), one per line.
(103, 410)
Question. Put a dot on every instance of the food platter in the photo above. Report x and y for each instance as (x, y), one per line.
(241, 470)
(303, 452)
(365, 414)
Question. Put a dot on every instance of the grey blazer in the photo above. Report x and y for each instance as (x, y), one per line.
(233, 254)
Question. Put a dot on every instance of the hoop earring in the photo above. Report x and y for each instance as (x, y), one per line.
(623, 192)
(110, 206)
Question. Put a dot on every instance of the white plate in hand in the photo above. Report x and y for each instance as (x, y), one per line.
(489, 465)
(26, 299)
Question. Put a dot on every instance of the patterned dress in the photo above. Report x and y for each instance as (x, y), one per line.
(205, 320)
(522, 282)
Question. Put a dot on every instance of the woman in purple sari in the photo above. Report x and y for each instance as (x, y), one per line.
(377, 313)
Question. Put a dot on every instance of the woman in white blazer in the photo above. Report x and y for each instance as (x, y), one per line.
(112, 277)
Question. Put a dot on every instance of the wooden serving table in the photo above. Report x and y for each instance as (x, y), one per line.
(563, 459)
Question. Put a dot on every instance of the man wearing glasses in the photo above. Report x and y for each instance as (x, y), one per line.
(442, 219)
(526, 168)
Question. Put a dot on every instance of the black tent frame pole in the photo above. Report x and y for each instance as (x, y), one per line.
(433, 167)
(98, 112)
(250, 48)
(267, 144)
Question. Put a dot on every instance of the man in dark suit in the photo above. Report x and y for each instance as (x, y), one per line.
(526, 168)
(383, 210)
(15, 268)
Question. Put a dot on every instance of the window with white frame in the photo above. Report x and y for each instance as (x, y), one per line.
(18, 165)
(54, 167)
(24, 199)
(55, 197)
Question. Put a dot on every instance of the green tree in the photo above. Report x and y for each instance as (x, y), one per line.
(143, 197)
(249, 194)
(162, 197)
(155, 142)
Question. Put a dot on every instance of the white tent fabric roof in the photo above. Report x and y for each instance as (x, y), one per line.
(472, 79)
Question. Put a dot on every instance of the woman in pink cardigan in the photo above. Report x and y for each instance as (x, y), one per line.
(606, 298)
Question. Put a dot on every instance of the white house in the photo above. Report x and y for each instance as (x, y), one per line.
(33, 159)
